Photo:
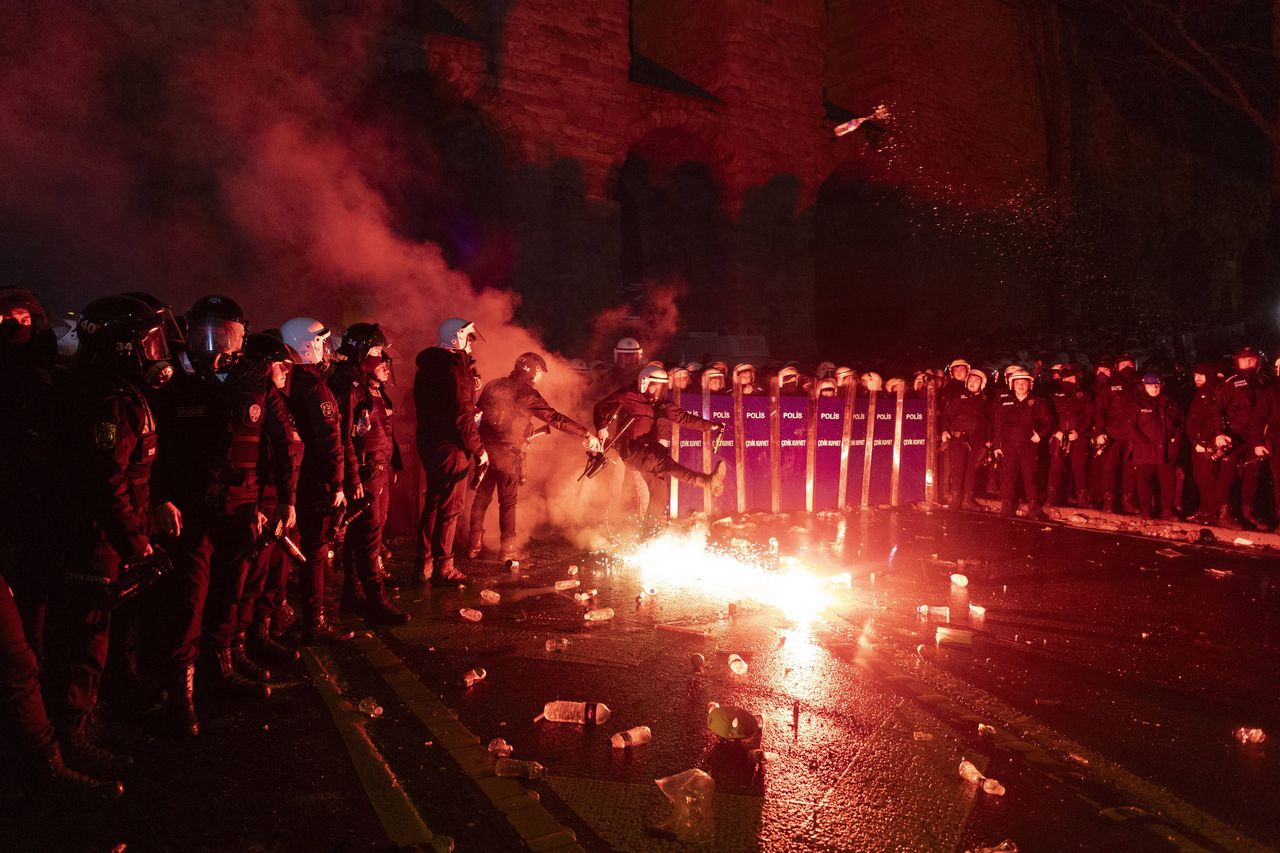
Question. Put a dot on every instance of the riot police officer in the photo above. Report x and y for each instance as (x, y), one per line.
(1073, 409)
(1157, 429)
(360, 384)
(1114, 414)
(633, 414)
(444, 395)
(107, 446)
(507, 406)
(966, 431)
(210, 421)
(1234, 405)
(1203, 426)
(1021, 424)
(324, 480)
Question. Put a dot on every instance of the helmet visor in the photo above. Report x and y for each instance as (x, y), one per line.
(215, 337)
(153, 346)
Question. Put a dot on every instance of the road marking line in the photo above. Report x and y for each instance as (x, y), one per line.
(519, 805)
(399, 816)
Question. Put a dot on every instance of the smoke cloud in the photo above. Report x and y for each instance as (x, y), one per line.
(225, 148)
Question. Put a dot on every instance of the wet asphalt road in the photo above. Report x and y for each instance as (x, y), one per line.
(1113, 670)
(1113, 674)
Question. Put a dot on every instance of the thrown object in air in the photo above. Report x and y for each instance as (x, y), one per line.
(692, 816)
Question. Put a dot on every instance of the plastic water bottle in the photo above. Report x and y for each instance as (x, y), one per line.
(472, 676)
(632, 737)
(992, 787)
(488, 596)
(370, 707)
(572, 583)
(599, 614)
(561, 711)
(1247, 735)
(558, 644)
(470, 614)
(969, 771)
(977, 611)
(513, 769)
(738, 665)
(943, 612)
(499, 748)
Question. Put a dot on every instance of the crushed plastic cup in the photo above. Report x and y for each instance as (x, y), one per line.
(1248, 735)
(631, 738)
(572, 572)
(512, 769)
(470, 614)
(473, 676)
(499, 748)
(573, 583)
(737, 664)
(959, 579)
(488, 596)
(556, 644)
(584, 596)
(691, 795)
(599, 614)
(370, 707)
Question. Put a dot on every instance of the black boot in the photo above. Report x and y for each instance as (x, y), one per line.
(262, 646)
(224, 680)
(1034, 511)
(447, 575)
(244, 664)
(86, 756)
(353, 600)
(421, 574)
(390, 584)
(320, 630)
(182, 700)
(53, 778)
(378, 610)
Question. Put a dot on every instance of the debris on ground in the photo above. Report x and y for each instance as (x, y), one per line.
(692, 817)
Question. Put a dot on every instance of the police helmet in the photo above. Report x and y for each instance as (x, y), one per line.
(124, 336)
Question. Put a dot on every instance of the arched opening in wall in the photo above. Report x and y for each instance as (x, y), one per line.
(864, 269)
(673, 229)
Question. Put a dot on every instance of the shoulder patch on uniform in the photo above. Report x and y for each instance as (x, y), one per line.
(255, 413)
(104, 435)
(326, 409)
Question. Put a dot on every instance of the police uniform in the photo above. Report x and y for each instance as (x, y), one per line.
(1115, 409)
(639, 446)
(1015, 421)
(444, 395)
(967, 420)
(507, 407)
(1202, 427)
(1074, 411)
(1157, 429)
(109, 450)
(1234, 405)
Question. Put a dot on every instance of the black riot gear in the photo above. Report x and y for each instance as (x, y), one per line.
(360, 339)
(216, 327)
(527, 366)
(173, 328)
(124, 336)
